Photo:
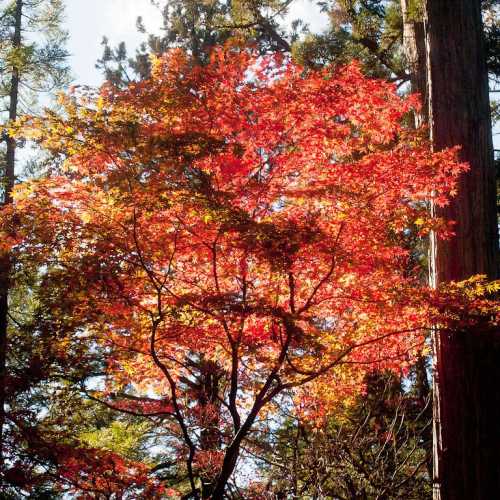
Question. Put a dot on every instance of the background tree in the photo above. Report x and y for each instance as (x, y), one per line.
(199, 26)
(32, 66)
(27, 67)
(379, 446)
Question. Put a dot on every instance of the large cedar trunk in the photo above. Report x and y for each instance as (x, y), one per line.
(467, 419)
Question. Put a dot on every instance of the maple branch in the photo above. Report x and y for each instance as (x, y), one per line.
(234, 344)
(233, 409)
(186, 366)
(177, 410)
(262, 398)
(149, 272)
(317, 373)
(263, 459)
(124, 410)
(215, 273)
(291, 287)
(408, 456)
(399, 355)
(171, 260)
(327, 275)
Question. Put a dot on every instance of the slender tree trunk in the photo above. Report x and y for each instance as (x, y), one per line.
(467, 372)
(5, 262)
(415, 54)
(415, 50)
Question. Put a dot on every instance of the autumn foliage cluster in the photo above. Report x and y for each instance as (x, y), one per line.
(227, 239)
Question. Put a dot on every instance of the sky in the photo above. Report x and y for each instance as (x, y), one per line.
(89, 20)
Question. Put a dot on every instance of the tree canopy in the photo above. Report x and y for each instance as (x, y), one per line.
(221, 239)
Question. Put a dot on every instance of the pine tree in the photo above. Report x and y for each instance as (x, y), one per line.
(199, 26)
(32, 61)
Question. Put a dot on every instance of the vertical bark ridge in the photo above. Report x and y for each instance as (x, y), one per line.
(467, 374)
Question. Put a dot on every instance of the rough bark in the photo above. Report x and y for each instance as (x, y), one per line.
(467, 400)
(8, 184)
(415, 54)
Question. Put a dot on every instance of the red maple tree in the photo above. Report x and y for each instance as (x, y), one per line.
(231, 234)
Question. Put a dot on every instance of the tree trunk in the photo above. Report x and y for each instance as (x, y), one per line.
(467, 372)
(415, 54)
(5, 262)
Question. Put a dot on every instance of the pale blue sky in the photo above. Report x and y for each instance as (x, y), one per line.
(89, 20)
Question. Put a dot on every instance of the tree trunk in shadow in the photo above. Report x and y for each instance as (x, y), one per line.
(467, 371)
